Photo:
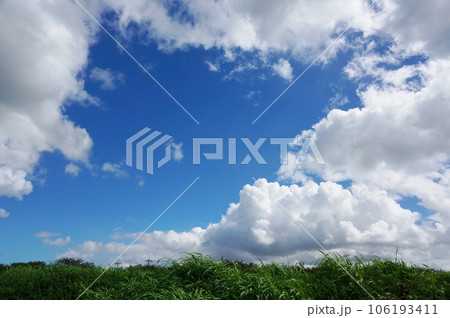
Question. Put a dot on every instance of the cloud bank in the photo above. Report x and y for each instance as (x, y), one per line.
(359, 220)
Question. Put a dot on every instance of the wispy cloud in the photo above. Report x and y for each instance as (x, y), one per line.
(3, 214)
(46, 234)
(108, 79)
(239, 69)
(72, 169)
(177, 151)
(337, 101)
(212, 67)
(140, 181)
(254, 96)
(115, 169)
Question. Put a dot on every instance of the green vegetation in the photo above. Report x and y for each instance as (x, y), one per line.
(200, 277)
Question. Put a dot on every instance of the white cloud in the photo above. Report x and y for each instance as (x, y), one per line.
(239, 69)
(72, 169)
(140, 181)
(304, 31)
(305, 28)
(44, 47)
(337, 101)
(361, 220)
(46, 234)
(108, 79)
(177, 151)
(46, 239)
(212, 67)
(3, 214)
(398, 141)
(13, 182)
(410, 25)
(115, 169)
(284, 69)
(57, 242)
(253, 94)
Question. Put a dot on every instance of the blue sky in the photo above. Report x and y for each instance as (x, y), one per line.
(374, 104)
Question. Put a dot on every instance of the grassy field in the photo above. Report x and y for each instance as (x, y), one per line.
(200, 277)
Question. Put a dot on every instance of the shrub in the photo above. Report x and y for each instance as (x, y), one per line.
(74, 262)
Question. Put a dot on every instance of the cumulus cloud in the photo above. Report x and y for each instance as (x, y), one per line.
(155, 245)
(247, 25)
(57, 242)
(108, 79)
(72, 169)
(409, 24)
(284, 69)
(115, 169)
(360, 220)
(398, 140)
(44, 47)
(3, 214)
(47, 239)
(13, 182)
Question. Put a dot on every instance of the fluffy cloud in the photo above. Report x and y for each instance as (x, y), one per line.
(398, 141)
(13, 182)
(154, 245)
(3, 214)
(303, 32)
(46, 239)
(244, 25)
(44, 47)
(34, 89)
(57, 242)
(108, 79)
(410, 25)
(115, 169)
(284, 69)
(360, 220)
(72, 169)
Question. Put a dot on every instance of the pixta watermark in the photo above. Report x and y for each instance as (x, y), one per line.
(141, 147)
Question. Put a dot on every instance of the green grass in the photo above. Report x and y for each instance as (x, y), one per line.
(200, 277)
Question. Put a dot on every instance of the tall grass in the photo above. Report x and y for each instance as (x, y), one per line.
(200, 277)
